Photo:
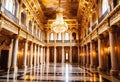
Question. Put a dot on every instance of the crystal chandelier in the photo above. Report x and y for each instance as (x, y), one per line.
(59, 25)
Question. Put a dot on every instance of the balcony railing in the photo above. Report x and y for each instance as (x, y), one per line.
(61, 41)
(24, 26)
(94, 25)
(103, 16)
(10, 15)
(58, 40)
(30, 30)
(51, 40)
(76, 41)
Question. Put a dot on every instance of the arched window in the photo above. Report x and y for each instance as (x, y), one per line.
(74, 36)
(52, 36)
(104, 6)
(9, 5)
(67, 36)
(59, 36)
(30, 25)
(23, 18)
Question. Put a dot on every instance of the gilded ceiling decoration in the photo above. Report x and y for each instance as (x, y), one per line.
(49, 7)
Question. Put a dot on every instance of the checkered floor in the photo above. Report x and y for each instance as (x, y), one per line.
(54, 73)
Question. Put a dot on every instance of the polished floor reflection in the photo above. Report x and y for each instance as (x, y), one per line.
(53, 73)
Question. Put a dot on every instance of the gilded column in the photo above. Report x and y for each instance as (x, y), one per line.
(38, 56)
(91, 54)
(15, 53)
(78, 54)
(25, 53)
(63, 56)
(10, 54)
(35, 55)
(70, 54)
(84, 55)
(87, 53)
(44, 56)
(100, 53)
(113, 50)
(31, 54)
(41, 55)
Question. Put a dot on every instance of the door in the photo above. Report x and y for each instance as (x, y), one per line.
(4, 59)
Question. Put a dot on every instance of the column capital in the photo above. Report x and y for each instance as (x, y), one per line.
(92, 41)
(113, 28)
(101, 36)
(62, 46)
(87, 44)
(15, 36)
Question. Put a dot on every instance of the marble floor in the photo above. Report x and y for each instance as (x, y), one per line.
(55, 73)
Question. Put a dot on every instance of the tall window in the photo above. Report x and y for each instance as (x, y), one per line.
(67, 36)
(59, 36)
(51, 36)
(9, 5)
(23, 18)
(104, 6)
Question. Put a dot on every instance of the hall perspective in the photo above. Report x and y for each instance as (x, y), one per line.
(60, 40)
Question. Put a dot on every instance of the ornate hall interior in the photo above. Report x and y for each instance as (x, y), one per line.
(59, 40)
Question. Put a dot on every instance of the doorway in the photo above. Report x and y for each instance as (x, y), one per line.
(66, 57)
(4, 59)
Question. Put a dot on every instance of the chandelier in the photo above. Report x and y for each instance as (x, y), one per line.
(59, 25)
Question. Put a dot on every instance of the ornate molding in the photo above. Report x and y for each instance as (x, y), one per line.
(115, 18)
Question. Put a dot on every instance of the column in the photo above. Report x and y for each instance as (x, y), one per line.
(31, 54)
(15, 52)
(87, 52)
(10, 54)
(55, 54)
(41, 55)
(100, 53)
(70, 54)
(35, 55)
(44, 56)
(78, 54)
(81, 56)
(25, 54)
(38, 56)
(84, 55)
(113, 50)
(63, 55)
(91, 55)
(48, 54)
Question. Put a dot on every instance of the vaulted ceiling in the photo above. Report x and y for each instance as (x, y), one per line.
(49, 7)
(73, 9)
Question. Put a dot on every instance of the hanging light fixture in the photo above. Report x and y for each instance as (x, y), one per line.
(59, 25)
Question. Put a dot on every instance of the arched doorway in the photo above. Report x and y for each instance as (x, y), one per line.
(66, 57)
